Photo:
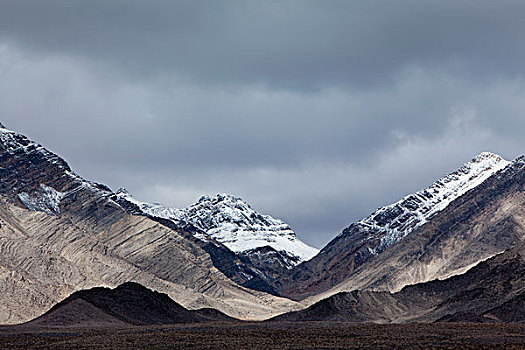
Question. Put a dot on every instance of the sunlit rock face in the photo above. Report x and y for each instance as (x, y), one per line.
(466, 216)
(60, 233)
(232, 222)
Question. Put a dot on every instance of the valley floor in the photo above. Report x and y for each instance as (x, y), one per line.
(253, 336)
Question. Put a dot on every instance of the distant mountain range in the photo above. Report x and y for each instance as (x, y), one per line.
(60, 233)
(230, 221)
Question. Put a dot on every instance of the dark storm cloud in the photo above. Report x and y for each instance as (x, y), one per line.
(316, 112)
(287, 44)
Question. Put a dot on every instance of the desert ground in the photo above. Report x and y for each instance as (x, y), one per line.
(305, 335)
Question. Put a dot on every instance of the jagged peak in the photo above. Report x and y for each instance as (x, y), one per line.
(486, 155)
(231, 221)
(520, 159)
(483, 163)
(123, 191)
(221, 197)
(393, 222)
(19, 146)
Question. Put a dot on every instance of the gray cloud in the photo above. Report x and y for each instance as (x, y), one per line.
(314, 112)
(287, 44)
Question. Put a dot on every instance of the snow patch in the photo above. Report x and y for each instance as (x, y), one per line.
(16, 144)
(46, 199)
(395, 221)
(232, 222)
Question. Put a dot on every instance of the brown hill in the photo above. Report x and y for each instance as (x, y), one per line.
(128, 304)
(492, 291)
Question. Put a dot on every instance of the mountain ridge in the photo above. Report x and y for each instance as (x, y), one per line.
(60, 233)
(397, 220)
(360, 243)
(87, 239)
(232, 222)
(493, 291)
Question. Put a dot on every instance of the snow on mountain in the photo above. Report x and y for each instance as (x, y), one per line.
(225, 218)
(47, 199)
(393, 222)
(19, 146)
(232, 222)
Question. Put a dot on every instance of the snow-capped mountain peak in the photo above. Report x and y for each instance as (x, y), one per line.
(43, 197)
(232, 222)
(393, 222)
(17, 144)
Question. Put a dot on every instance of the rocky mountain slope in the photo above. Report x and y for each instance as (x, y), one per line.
(480, 224)
(128, 304)
(220, 222)
(393, 222)
(233, 223)
(465, 217)
(492, 291)
(60, 233)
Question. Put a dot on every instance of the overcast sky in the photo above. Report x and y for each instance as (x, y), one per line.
(316, 112)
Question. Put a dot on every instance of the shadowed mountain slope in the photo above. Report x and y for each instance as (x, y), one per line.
(129, 303)
(250, 248)
(60, 233)
(488, 219)
(231, 221)
(492, 291)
